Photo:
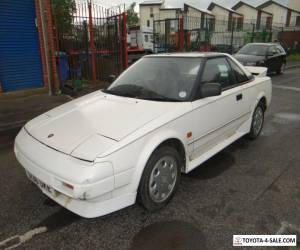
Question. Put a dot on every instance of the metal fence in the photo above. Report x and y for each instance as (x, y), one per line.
(92, 45)
(188, 33)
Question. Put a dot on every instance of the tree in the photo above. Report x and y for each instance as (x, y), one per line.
(63, 11)
(132, 16)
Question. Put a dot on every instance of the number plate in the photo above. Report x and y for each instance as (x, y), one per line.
(40, 184)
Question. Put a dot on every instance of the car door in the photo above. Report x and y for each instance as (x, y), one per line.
(216, 118)
(273, 60)
(246, 86)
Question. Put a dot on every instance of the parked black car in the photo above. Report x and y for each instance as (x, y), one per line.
(269, 55)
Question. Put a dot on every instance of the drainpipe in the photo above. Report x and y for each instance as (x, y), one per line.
(45, 38)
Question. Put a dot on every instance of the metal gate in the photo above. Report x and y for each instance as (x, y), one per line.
(20, 62)
(94, 46)
(166, 34)
(189, 33)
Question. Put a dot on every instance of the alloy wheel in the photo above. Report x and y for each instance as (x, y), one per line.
(258, 119)
(163, 179)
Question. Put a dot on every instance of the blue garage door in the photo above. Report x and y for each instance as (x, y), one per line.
(20, 62)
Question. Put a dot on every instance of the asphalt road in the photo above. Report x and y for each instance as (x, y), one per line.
(251, 187)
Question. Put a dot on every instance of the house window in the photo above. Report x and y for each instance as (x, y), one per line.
(269, 22)
(148, 23)
(239, 23)
(151, 11)
(212, 22)
(146, 38)
(298, 21)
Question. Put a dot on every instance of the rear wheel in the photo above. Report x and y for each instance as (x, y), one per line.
(257, 121)
(160, 179)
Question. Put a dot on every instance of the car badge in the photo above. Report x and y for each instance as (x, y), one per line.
(50, 135)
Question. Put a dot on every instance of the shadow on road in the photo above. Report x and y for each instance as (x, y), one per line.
(169, 235)
(219, 163)
(59, 220)
(213, 167)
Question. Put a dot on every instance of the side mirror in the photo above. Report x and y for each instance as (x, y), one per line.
(211, 89)
(111, 78)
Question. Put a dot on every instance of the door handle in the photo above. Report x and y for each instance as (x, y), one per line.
(239, 97)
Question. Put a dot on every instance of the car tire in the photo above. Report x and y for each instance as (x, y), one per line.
(281, 69)
(160, 178)
(257, 121)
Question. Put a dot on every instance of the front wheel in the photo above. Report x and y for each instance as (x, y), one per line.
(160, 178)
(257, 121)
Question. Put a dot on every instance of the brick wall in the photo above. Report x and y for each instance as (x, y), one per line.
(290, 38)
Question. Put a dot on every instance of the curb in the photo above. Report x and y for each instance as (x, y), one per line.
(13, 125)
(293, 66)
(7, 138)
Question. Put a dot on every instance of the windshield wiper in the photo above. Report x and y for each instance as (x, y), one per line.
(147, 94)
(139, 92)
(126, 90)
(159, 98)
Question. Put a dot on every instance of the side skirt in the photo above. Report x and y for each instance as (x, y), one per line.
(243, 130)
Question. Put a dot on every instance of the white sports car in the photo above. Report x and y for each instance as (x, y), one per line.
(163, 116)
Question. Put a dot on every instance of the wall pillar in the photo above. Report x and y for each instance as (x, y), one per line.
(42, 43)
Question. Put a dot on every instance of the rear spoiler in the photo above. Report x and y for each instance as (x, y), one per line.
(257, 71)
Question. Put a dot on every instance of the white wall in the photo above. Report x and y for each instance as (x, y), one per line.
(221, 16)
(250, 14)
(279, 14)
(145, 14)
(167, 14)
(193, 12)
(193, 20)
(294, 4)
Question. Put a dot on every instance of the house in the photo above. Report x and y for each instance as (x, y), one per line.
(169, 13)
(196, 12)
(226, 18)
(150, 10)
(195, 15)
(282, 15)
(253, 15)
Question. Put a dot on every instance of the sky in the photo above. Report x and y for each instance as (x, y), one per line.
(202, 4)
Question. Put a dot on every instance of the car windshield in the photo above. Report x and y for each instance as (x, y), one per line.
(254, 49)
(158, 79)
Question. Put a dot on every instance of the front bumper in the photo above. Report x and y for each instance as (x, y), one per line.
(92, 184)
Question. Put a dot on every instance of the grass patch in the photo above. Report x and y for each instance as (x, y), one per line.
(294, 57)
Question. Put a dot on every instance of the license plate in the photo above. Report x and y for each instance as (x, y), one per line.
(40, 184)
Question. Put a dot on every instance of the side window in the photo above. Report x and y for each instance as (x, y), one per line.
(151, 11)
(280, 49)
(239, 74)
(217, 70)
(273, 50)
